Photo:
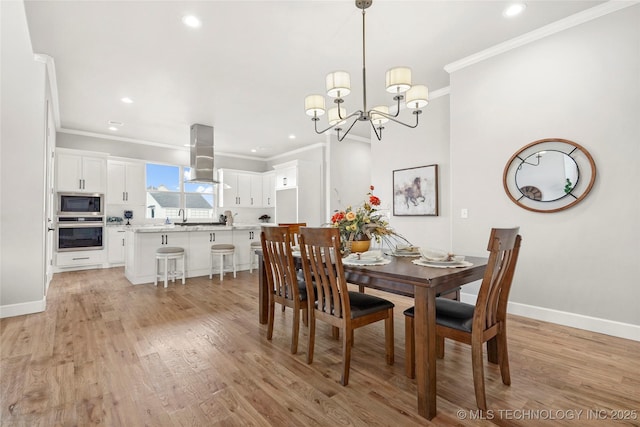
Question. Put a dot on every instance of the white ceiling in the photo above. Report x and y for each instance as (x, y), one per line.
(247, 70)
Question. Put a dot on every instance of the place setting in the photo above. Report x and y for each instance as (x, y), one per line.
(405, 251)
(374, 257)
(440, 259)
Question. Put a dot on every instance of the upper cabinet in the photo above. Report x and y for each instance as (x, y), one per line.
(269, 189)
(243, 189)
(286, 176)
(80, 172)
(125, 183)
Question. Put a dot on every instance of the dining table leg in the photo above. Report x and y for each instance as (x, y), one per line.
(425, 346)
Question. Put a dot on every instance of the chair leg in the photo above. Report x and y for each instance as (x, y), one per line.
(503, 356)
(409, 348)
(346, 356)
(312, 337)
(210, 265)
(184, 268)
(233, 259)
(221, 266)
(478, 372)
(492, 350)
(335, 332)
(166, 271)
(155, 281)
(439, 347)
(270, 316)
(295, 329)
(388, 335)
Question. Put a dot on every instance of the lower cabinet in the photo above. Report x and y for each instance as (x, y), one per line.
(242, 240)
(115, 245)
(200, 248)
(80, 259)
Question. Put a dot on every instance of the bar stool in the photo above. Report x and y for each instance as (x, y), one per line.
(222, 250)
(170, 256)
(254, 257)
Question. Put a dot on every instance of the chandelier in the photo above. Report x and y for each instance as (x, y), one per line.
(398, 82)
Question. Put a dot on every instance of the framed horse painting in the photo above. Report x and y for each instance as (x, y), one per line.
(415, 191)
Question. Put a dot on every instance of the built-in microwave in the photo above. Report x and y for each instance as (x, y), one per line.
(80, 204)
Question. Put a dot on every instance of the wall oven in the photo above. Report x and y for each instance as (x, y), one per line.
(80, 233)
(80, 204)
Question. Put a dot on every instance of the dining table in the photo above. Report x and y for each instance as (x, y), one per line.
(423, 283)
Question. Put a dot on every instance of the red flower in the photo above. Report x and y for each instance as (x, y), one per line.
(337, 217)
(375, 201)
(371, 188)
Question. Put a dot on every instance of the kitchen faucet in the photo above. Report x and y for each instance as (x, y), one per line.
(183, 218)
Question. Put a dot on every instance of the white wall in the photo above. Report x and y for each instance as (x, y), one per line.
(22, 225)
(403, 148)
(579, 267)
(349, 172)
(582, 84)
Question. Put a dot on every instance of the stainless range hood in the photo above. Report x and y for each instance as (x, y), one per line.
(201, 144)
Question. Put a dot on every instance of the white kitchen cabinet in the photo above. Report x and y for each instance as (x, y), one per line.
(301, 202)
(269, 190)
(115, 245)
(79, 259)
(242, 239)
(286, 175)
(76, 172)
(200, 248)
(125, 183)
(245, 189)
(141, 252)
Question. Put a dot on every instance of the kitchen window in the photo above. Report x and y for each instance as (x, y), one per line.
(168, 191)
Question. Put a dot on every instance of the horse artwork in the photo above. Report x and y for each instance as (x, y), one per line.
(415, 191)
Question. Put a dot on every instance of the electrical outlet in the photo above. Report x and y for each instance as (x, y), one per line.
(464, 213)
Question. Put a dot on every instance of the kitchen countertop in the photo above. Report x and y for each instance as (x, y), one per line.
(163, 228)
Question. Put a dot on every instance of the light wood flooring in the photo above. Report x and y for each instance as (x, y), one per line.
(108, 353)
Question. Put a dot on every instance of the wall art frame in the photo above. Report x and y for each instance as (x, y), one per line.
(415, 191)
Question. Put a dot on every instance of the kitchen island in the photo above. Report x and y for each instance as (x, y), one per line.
(143, 241)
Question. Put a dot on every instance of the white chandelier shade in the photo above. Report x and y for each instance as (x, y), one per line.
(338, 85)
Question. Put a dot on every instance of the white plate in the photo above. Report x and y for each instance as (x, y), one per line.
(440, 262)
(454, 264)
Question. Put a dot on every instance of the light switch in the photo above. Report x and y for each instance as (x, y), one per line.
(464, 213)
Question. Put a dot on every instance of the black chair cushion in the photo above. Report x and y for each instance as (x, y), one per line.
(452, 314)
(363, 304)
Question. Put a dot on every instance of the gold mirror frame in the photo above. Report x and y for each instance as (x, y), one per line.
(584, 183)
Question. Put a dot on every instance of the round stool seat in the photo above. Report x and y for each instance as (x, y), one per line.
(223, 247)
(170, 250)
(256, 244)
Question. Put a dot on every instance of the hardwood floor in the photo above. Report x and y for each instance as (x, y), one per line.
(106, 352)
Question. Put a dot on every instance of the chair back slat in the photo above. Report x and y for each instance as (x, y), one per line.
(491, 304)
(318, 247)
(294, 230)
(278, 261)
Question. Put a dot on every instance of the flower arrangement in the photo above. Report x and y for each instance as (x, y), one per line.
(362, 223)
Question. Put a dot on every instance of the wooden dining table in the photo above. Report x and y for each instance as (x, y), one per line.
(403, 277)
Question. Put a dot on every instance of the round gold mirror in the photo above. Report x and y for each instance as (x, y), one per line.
(549, 175)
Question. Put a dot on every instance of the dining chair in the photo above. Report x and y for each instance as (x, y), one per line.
(335, 304)
(285, 286)
(294, 230)
(486, 321)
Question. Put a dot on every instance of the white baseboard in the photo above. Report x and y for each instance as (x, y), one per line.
(580, 321)
(12, 310)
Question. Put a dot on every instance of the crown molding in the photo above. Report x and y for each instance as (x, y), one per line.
(299, 150)
(542, 32)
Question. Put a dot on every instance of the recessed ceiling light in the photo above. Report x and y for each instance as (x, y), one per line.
(191, 21)
(292, 136)
(127, 100)
(514, 9)
(113, 128)
(253, 150)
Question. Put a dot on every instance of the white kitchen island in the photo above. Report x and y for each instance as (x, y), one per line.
(143, 241)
